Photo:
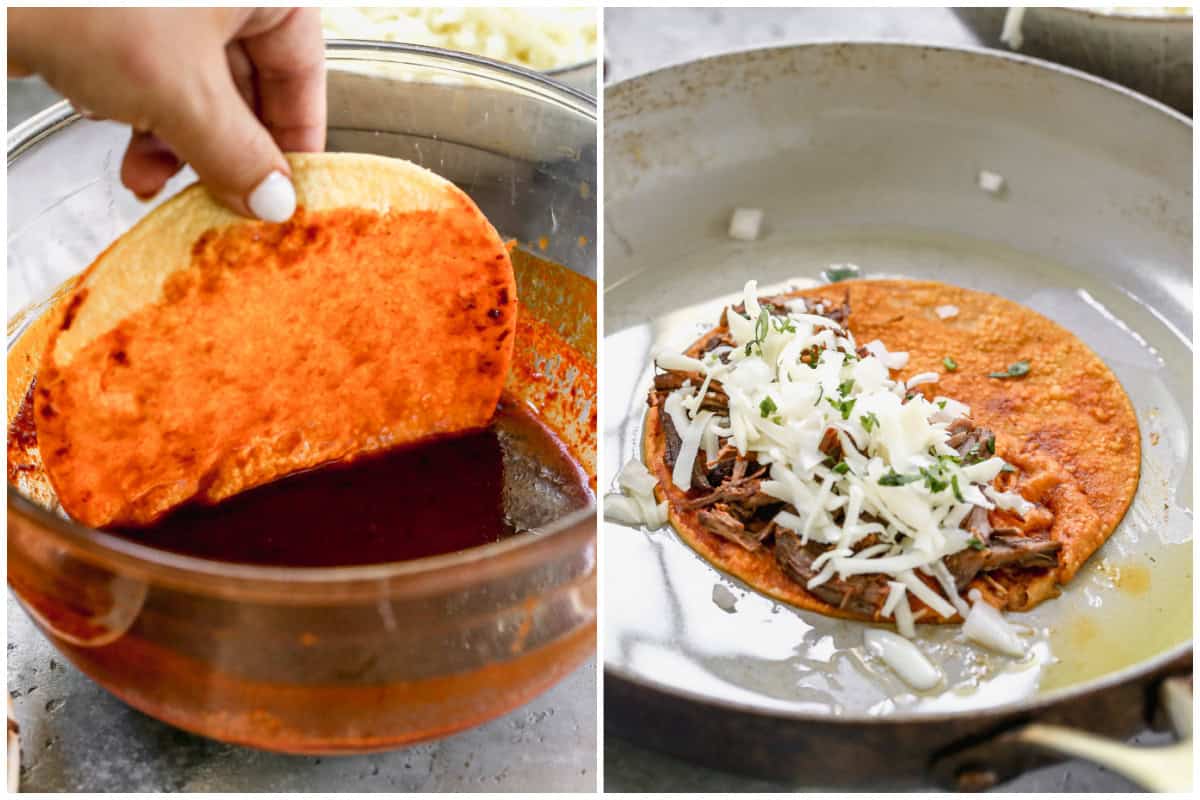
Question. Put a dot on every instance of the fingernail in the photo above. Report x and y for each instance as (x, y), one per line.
(273, 200)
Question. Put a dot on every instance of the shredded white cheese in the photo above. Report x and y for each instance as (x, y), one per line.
(986, 626)
(904, 658)
(538, 38)
(745, 224)
(635, 504)
(1011, 33)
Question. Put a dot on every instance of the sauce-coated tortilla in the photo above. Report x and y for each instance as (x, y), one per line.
(203, 353)
(1067, 425)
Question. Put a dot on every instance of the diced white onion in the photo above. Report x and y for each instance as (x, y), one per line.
(745, 224)
(991, 182)
(987, 626)
(946, 312)
(904, 658)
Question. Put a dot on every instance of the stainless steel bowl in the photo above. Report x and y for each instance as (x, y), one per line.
(346, 659)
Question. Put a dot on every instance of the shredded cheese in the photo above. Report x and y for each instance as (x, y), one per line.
(538, 38)
(903, 658)
(793, 377)
(635, 504)
(986, 626)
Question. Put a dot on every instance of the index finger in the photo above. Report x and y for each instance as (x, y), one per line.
(289, 62)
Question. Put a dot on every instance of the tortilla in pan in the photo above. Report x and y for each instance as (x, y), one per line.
(203, 354)
(1038, 398)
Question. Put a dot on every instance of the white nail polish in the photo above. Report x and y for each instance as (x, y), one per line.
(273, 200)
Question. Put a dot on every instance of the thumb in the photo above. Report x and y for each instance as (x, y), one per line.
(211, 127)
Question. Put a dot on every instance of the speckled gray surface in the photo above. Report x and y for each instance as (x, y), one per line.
(641, 40)
(77, 737)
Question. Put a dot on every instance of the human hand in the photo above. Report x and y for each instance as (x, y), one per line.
(226, 90)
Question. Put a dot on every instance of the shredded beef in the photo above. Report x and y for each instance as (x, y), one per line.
(715, 398)
(720, 521)
(672, 436)
(746, 495)
(862, 594)
(1006, 548)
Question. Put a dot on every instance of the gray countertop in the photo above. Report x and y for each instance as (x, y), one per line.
(77, 737)
(641, 40)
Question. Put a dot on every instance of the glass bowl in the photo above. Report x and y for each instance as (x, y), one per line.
(346, 659)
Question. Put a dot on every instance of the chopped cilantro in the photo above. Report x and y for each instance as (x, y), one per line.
(950, 364)
(1015, 370)
(894, 478)
(934, 480)
(842, 468)
(841, 272)
(777, 420)
(845, 386)
(991, 444)
(762, 326)
(975, 544)
(767, 407)
(941, 404)
(784, 324)
(844, 406)
(869, 421)
(958, 495)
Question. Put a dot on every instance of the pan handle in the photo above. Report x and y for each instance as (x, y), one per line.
(1160, 769)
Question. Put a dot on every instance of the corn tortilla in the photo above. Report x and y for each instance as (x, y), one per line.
(1067, 425)
(203, 354)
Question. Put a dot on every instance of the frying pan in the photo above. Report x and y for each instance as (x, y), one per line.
(1148, 52)
(870, 153)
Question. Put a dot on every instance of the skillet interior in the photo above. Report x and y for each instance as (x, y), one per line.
(870, 154)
